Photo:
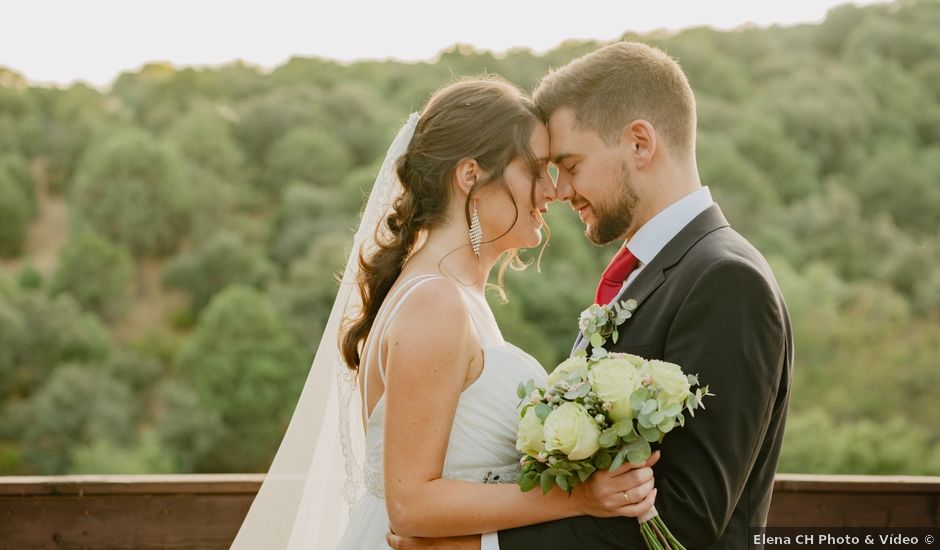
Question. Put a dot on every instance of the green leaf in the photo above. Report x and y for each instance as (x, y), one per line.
(546, 481)
(648, 407)
(650, 434)
(656, 417)
(528, 481)
(520, 391)
(542, 410)
(623, 428)
(602, 460)
(673, 409)
(638, 451)
(562, 481)
(608, 439)
(583, 390)
(638, 398)
(529, 386)
(615, 336)
(618, 459)
(583, 475)
(666, 425)
(597, 340)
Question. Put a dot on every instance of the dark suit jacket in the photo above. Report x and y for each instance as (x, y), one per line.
(709, 303)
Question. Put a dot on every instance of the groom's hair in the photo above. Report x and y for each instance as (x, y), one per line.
(611, 87)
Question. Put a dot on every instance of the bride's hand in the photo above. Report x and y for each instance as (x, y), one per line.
(627, 491)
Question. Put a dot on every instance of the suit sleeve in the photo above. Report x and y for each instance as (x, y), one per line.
(731, 331)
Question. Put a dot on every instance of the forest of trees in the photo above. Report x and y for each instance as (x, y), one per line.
(168, 245)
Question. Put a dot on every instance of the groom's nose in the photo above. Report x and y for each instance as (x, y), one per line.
(563, 189)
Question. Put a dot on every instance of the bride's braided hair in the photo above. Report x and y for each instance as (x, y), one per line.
(486, 119)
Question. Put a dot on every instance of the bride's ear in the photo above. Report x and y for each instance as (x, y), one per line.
(466, 175)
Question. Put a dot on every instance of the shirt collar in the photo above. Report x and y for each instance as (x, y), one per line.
(655, 234)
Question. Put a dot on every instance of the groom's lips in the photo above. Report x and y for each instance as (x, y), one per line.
(580, 209)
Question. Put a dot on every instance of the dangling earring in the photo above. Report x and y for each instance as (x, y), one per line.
(476, 232)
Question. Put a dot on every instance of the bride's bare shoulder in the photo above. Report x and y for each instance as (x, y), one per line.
(434, 310)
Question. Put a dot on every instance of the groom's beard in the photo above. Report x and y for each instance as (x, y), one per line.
(614, 218)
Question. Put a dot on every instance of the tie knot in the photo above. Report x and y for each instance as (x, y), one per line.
(621, 266)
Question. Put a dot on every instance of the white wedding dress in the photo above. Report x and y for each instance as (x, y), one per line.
(483, 437)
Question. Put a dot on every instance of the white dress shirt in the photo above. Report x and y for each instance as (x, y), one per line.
(646, 244)
(655, 234)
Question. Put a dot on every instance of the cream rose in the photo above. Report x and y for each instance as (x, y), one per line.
(635, 360)
(571, 430)
(530, 438)
(614, 379)
(673, 384)
(569, 366)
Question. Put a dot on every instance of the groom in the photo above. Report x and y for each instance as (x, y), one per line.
(622, 122)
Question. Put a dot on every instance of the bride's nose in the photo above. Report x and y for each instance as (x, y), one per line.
(548, 190)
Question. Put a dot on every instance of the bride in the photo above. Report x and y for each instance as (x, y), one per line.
(464, 184)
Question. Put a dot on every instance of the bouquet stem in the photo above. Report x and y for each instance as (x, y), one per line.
(655, 533)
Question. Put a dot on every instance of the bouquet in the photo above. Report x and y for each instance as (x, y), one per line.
(601, 409)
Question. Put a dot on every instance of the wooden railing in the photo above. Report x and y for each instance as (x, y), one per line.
(205, 511)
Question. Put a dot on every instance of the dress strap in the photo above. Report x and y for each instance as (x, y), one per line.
(382, 320)
(484, 341)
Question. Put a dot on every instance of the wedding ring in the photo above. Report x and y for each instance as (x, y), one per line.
(626, 497)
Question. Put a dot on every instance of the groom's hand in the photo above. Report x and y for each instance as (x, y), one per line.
(447, 543)
(628, 491)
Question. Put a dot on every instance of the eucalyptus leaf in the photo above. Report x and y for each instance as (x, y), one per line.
(650, 434)
(563, 482)
(618, 459)
(597, 340)
(528, 481)
(520, 391)
(648, 407)
(546, 480)
(639, 451)
(608, 439)
(542, 410)
(602, 460)
(638, 398)
(623, 428)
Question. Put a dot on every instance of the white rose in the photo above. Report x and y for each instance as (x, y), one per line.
(672, 383)
(635, 360)
(571, 430)
(530, 438)
(566, 368)
(614, 380)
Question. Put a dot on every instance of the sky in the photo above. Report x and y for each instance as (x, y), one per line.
(94, 40)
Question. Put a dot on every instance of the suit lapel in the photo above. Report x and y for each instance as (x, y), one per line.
(654, 273)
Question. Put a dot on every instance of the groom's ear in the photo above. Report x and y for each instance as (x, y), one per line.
(639, 143)
(466, 174)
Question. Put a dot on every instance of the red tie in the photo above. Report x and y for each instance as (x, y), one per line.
(620, 267)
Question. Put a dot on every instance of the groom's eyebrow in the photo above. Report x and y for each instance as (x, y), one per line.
(561, 158)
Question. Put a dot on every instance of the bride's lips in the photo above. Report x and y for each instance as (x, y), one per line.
(535, 213)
